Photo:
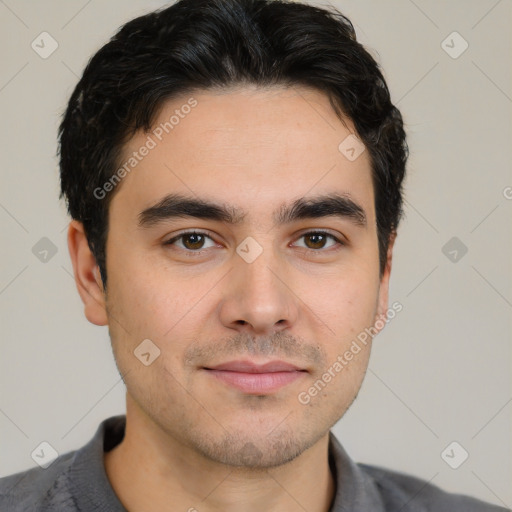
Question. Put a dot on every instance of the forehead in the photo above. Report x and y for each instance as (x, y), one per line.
(250, 147)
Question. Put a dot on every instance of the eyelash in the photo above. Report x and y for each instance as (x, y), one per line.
(191, 252)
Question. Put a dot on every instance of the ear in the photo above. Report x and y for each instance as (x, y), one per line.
(382, 305)
(87, 275)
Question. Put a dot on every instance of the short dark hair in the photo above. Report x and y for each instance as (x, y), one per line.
(210, 44)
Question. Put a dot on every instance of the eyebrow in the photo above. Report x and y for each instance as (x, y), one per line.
(179, 206)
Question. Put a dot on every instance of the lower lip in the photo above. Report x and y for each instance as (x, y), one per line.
(257, 383)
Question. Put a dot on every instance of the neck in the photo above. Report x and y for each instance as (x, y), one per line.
(149, 470)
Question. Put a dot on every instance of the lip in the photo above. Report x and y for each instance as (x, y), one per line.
(245, 366)
(256, 379)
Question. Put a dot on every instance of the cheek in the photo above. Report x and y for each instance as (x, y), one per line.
(155, 303)
(345, 302)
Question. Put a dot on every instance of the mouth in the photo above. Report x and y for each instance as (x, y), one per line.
(256, 379)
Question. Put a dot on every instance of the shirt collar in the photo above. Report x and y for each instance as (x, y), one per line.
(88, 479)
(355, 490)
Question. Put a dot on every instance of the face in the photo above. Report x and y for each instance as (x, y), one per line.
(251, 280)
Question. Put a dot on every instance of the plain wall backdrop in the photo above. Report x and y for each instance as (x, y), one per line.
(441, 369)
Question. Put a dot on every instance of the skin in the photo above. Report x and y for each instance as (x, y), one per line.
(191, 440)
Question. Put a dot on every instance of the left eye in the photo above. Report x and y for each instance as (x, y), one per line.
(194, 241)
(317, 240)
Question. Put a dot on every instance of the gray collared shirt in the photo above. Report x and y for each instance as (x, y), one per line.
(77, 481)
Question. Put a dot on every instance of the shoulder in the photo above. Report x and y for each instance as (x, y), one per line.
(35, 488)
(74, 481)
(415, 494)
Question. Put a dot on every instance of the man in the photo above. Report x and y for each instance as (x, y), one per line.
(234, 170)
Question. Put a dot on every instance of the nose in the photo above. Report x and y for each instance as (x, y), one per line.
(258, 299)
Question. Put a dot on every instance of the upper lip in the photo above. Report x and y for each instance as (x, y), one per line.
(250, 367)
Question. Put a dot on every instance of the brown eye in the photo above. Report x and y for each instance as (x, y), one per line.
(191, 241)
(316, 240)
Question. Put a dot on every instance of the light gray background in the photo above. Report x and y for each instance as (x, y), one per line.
(440, 371)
